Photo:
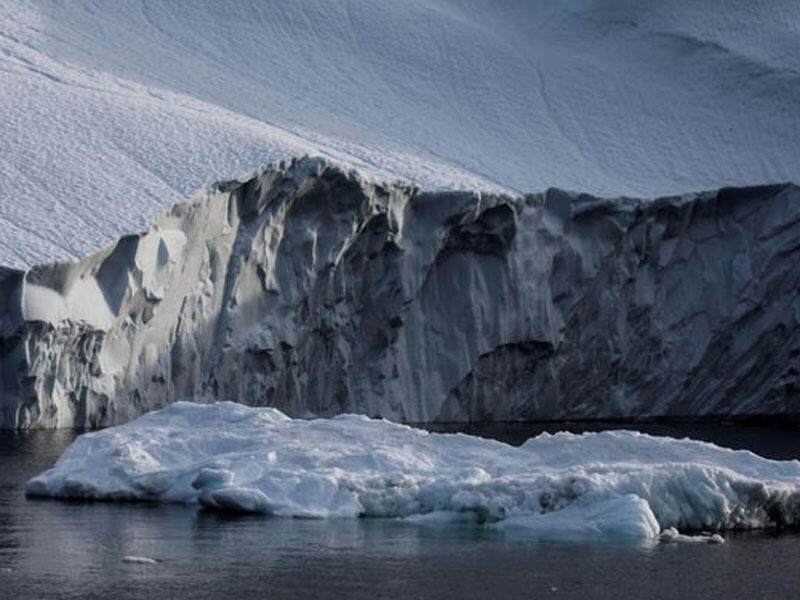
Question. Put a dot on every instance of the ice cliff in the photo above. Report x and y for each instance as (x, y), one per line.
(308, 288)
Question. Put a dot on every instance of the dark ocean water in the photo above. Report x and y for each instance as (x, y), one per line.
(52, 549)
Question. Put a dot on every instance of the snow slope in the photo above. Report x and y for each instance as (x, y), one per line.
(112, 111)
(612, 484)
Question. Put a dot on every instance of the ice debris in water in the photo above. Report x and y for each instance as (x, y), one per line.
(141, 560)
(231, 457)
(671, 535)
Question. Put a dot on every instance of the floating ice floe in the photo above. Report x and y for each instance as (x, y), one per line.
(671, 535)
(230, 457)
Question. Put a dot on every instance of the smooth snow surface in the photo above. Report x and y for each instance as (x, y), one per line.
(113, 111)
(235, 458)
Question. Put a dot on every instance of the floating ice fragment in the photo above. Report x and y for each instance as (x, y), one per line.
(142, 560)
(671, 535)
(609, 484)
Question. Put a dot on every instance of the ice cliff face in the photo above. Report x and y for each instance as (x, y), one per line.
(306, 288)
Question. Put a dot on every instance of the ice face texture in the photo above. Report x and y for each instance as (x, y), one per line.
(231, 457)
(305, 287)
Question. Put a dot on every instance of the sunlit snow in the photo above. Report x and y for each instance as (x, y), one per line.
(113, 111)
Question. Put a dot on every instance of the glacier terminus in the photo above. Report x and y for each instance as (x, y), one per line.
(311, 288)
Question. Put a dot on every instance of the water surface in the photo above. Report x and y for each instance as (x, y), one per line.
(52, 549)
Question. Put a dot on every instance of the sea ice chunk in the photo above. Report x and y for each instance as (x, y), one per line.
(141, 560)
(230, 457)
(671, 535)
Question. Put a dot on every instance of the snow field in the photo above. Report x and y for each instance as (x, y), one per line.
(113, 111)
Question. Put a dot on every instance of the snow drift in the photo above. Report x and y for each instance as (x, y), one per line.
(235, 458)
(308, 288)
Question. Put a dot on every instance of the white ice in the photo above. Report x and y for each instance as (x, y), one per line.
(235, 458)
(141, 560)
(112, 111)
(671, 535)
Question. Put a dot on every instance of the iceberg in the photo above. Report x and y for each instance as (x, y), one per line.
(613, 484)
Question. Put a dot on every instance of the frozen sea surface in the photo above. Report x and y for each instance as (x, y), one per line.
(77, 549)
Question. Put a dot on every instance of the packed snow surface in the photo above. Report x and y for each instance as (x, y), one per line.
(113, 111)
(230, 457)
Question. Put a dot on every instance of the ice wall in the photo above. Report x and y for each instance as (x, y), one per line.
(306, 287)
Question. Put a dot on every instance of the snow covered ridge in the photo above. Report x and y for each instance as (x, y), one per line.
(230, 457)
(305, 287)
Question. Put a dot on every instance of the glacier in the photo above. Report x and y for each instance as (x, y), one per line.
(614, 484)
(312, 288)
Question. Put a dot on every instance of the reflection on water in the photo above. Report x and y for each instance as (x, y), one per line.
(51, 549)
